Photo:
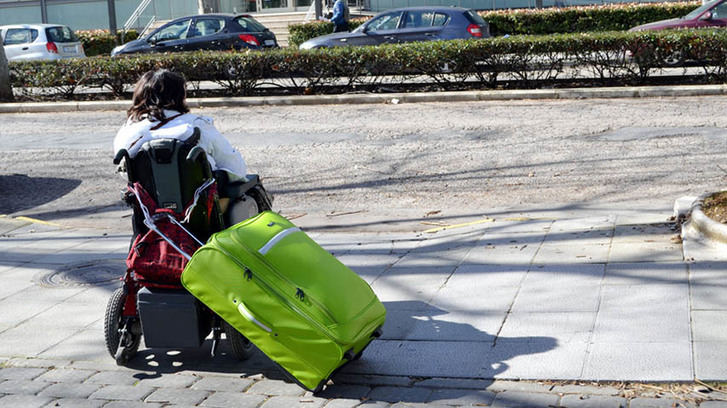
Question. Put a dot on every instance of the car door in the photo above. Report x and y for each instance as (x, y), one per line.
(379, 30)
(18, 42)
(170, 37)
(208, 33)
(417, 25)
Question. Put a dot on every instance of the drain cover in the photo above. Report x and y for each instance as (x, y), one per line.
(84, 274)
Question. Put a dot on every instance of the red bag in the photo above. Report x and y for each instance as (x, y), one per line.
(155, 262)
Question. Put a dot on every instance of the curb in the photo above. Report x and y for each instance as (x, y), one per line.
(705, 225)
(394, 98)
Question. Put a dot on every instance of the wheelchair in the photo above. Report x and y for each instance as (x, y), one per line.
(175, 196)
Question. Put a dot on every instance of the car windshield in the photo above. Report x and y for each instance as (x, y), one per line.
(699, 10)
(172, 31)
(250, 24)
(384, 22)
(60, 34)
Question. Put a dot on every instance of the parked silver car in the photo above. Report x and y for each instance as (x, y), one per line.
(40, 42)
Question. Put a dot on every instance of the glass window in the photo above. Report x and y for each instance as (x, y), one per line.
(60, 34)
(696, 12)
(417, 19)
(440, 19)
(20, 36)
(249, 24)
(174, 31)
(720, 11)
(475, 18)
(385, 22)
(207, 26)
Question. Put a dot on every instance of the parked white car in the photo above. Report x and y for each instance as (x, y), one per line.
(40, 42)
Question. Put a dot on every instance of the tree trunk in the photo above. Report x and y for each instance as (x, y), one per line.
(6, 92)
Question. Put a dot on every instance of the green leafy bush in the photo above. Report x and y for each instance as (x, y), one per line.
(544, 21)
(300, 33)
(605, 58)
(583, 19)
(101, 42)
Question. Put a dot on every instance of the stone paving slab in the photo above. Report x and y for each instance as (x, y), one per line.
(515, 399)
(593, 401)
(25, 401)
(77, 403)
(73, 391)
(25, 387)
(233, 399)
(643, 361)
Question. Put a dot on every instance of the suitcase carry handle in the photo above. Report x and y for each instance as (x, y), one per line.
(249, 316)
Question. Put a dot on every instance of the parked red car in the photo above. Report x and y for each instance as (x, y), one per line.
(711, 14)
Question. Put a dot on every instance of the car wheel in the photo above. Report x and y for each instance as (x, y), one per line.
(674, 59)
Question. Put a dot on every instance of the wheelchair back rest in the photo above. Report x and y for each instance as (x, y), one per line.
(167, 171)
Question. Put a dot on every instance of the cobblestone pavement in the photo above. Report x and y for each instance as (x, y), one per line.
(49, 383)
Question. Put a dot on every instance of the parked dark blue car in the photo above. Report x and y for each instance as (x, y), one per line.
(407, 25)
(203, 32)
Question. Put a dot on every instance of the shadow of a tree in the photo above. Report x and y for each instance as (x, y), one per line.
(21, 192)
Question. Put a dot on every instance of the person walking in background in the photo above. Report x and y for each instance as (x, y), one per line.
(340, 16)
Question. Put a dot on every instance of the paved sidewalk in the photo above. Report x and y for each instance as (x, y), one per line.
(590, 293)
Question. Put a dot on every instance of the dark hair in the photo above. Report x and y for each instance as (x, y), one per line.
(156, 91)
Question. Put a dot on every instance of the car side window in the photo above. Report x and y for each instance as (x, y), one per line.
(20, 36)
(385, 22)
(418, 19)
(174, 31)
(249, 24)
(207, 26)
(720, 11)
(60, 34)
(440, 19)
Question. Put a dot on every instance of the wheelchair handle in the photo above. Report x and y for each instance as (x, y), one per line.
(120, 155)
(194, 153)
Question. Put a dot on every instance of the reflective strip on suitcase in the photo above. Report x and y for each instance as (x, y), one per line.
(277, 238)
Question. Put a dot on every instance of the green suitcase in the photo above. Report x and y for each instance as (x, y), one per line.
(291, 298)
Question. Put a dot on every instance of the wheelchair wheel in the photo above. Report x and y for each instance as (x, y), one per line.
(241, 347)
(122, 335)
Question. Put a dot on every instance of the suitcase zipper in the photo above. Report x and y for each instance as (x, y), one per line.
(273, 291)
(320, 306)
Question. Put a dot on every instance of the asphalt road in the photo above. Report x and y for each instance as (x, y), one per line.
(418, 159)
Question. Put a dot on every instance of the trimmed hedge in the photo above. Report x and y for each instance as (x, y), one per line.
(101, 42)
(615, 58)
(300, 33)
(612, 17)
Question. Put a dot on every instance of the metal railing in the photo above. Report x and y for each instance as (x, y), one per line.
(134, 17)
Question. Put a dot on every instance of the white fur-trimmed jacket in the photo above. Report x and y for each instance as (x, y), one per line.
(220, 153)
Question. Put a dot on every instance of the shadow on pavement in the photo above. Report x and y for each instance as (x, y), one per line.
(384, 360)
(21, 192)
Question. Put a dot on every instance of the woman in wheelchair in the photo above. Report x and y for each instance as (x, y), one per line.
(159, 111)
